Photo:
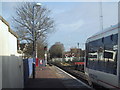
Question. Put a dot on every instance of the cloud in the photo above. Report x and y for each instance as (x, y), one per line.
(71, 26)
(75, 21)
(60, 0)
(1, 8)
(75, 24)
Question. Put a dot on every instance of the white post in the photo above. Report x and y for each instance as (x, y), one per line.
(45, 57)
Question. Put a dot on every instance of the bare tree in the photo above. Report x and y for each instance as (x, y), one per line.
(40, 49)
(43, 23)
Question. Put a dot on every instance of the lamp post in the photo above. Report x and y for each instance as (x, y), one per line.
(34, 40)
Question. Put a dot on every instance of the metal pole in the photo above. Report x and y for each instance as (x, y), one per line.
(34, 42)
(78, 51)
(36, 49)
(101, 16)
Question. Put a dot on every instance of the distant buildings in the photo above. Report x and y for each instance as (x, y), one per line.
(57, 52)
(74, 53)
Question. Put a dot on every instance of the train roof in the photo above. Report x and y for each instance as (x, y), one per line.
(113, 27)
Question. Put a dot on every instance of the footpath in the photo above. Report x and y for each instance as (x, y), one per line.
(45, 78)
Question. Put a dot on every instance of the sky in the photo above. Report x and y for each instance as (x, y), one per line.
(75, 21)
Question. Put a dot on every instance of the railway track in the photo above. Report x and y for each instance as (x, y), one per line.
(75, 73)
(79, 75)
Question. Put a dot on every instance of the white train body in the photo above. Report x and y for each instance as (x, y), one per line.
(102, 63)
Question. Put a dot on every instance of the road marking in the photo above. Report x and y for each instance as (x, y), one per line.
(73, 77)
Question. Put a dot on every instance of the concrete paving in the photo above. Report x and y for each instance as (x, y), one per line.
(53, 77)
(44, 78)
(68, 80)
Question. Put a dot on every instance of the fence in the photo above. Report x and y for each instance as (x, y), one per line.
(12, 72)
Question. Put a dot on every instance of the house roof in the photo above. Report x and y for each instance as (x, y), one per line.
(9, 29)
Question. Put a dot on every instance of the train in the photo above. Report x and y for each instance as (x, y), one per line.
(102, 59)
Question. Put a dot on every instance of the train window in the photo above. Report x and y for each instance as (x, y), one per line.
(92, 53)
(93, 56)
(115, 39)
(108, 55)
(107, 40)
(101, 54)
(111, 37)
(102, 40)
(115, 65)
(108, 44)
(87, 54)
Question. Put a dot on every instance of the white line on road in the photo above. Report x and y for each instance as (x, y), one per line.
(73, 77)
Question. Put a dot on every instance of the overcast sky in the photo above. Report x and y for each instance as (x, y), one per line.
(75, 21)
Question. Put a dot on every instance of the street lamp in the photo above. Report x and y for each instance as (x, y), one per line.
(34, 40)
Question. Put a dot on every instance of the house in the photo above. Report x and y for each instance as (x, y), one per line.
(11, 65)
(74, 53)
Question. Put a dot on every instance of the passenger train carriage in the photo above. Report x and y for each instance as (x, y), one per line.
(102, 63)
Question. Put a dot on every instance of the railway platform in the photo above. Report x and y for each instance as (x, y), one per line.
(54, 77)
